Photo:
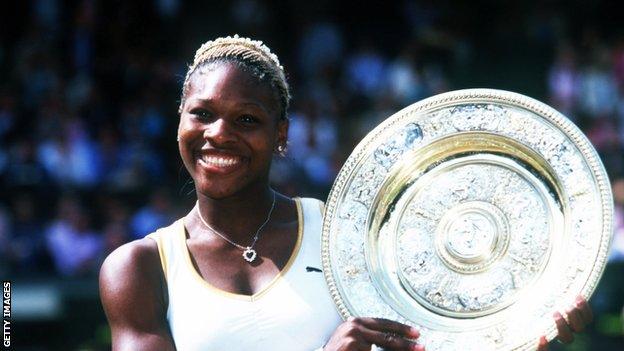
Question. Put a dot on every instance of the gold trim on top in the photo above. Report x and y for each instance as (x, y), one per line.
(187, 258)
(157, 237)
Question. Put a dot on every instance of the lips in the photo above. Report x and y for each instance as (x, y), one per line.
(220, 162)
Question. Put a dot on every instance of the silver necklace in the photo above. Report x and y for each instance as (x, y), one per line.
(249, 254)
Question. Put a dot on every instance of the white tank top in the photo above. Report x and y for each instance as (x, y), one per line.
(294, 312)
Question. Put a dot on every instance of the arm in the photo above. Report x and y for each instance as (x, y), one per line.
(133, 294)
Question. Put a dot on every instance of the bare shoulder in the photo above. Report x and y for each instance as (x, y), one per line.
(133, 293)
(136, 260)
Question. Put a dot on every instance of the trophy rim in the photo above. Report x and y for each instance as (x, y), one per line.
(474, 96)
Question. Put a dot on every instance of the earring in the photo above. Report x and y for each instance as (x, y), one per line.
(281, 150)
(178, 138)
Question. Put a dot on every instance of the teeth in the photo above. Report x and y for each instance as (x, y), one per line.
(220, 161)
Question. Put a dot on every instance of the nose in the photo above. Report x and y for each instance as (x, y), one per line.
(219, 132)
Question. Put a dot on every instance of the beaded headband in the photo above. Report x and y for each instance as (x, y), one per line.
(241, 48)
(233, 46)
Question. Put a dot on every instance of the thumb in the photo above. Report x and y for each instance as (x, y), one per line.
(543, 344)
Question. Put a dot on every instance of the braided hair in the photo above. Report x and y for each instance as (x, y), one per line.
(250, 55)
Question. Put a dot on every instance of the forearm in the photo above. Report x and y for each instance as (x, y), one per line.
(141, 341)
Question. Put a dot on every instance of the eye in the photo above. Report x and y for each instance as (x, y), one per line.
(201, 114)
(248, 119)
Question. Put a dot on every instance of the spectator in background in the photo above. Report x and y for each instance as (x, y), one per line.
(313, 135)
(74, 246)
(114, 235)
(26, 250)
(109, 153)
(70, 157)
(403, 79)
(23, 172)
(321, 47)
(116, 224)
(617, 245)
(598, 90)
(563, 82)
(617, 57)
(365, 70)
(157, 213)
(603, 134)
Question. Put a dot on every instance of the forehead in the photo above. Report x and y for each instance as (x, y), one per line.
(228, 82)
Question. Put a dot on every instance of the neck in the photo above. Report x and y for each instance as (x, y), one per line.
(239, 216)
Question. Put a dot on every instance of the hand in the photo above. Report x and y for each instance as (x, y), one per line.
(361, 333)
(579, 316)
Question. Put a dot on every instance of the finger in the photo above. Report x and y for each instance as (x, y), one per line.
(584, 309)
(543, 344)
(564, 333)
(574, 320)
(388, 326)
(389, 341)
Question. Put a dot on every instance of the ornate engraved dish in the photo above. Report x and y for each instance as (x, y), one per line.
(472, 215)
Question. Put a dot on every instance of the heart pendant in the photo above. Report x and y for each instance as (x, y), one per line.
(249, 254)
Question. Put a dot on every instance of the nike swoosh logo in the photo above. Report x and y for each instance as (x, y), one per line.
(313, 269)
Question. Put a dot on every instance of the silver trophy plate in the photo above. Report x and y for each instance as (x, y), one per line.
(472, 215)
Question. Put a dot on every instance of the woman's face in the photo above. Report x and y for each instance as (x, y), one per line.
(229, 128)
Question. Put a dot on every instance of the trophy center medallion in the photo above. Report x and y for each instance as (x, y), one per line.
(471, 236)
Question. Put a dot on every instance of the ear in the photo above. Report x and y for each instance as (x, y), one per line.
(282, 132)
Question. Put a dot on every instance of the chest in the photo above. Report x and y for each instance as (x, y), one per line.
(224, 266)
(293, 312)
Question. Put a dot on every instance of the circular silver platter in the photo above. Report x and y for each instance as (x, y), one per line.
(472, 215)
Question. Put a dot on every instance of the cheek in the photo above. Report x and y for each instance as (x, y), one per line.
(184, 139)
(265, 144)
(185, 127)
(189, 134)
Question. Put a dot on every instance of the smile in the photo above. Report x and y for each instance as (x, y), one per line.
(220, 163)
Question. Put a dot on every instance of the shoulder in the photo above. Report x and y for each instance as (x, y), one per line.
(134, 266)
(130, 267)
(131, 284)
(131, 258)
(134, 298)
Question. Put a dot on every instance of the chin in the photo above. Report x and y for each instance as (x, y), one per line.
(218, 189)
(221, 190)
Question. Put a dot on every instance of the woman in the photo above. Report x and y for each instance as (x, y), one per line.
(238, 271)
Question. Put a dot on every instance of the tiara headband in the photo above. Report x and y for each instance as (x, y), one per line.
(233, 46)
(247, 51)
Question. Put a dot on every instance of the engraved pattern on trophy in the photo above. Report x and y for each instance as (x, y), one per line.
(461, 211)
(471, 237)
(406, 139)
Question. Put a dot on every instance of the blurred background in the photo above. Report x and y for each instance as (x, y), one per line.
(89, 92)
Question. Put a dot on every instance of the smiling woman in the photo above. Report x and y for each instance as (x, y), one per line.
(234, 273)
(229, 129)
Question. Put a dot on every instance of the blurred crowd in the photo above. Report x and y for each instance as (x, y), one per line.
(89, 92)
(586, 83)
(88, 99)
